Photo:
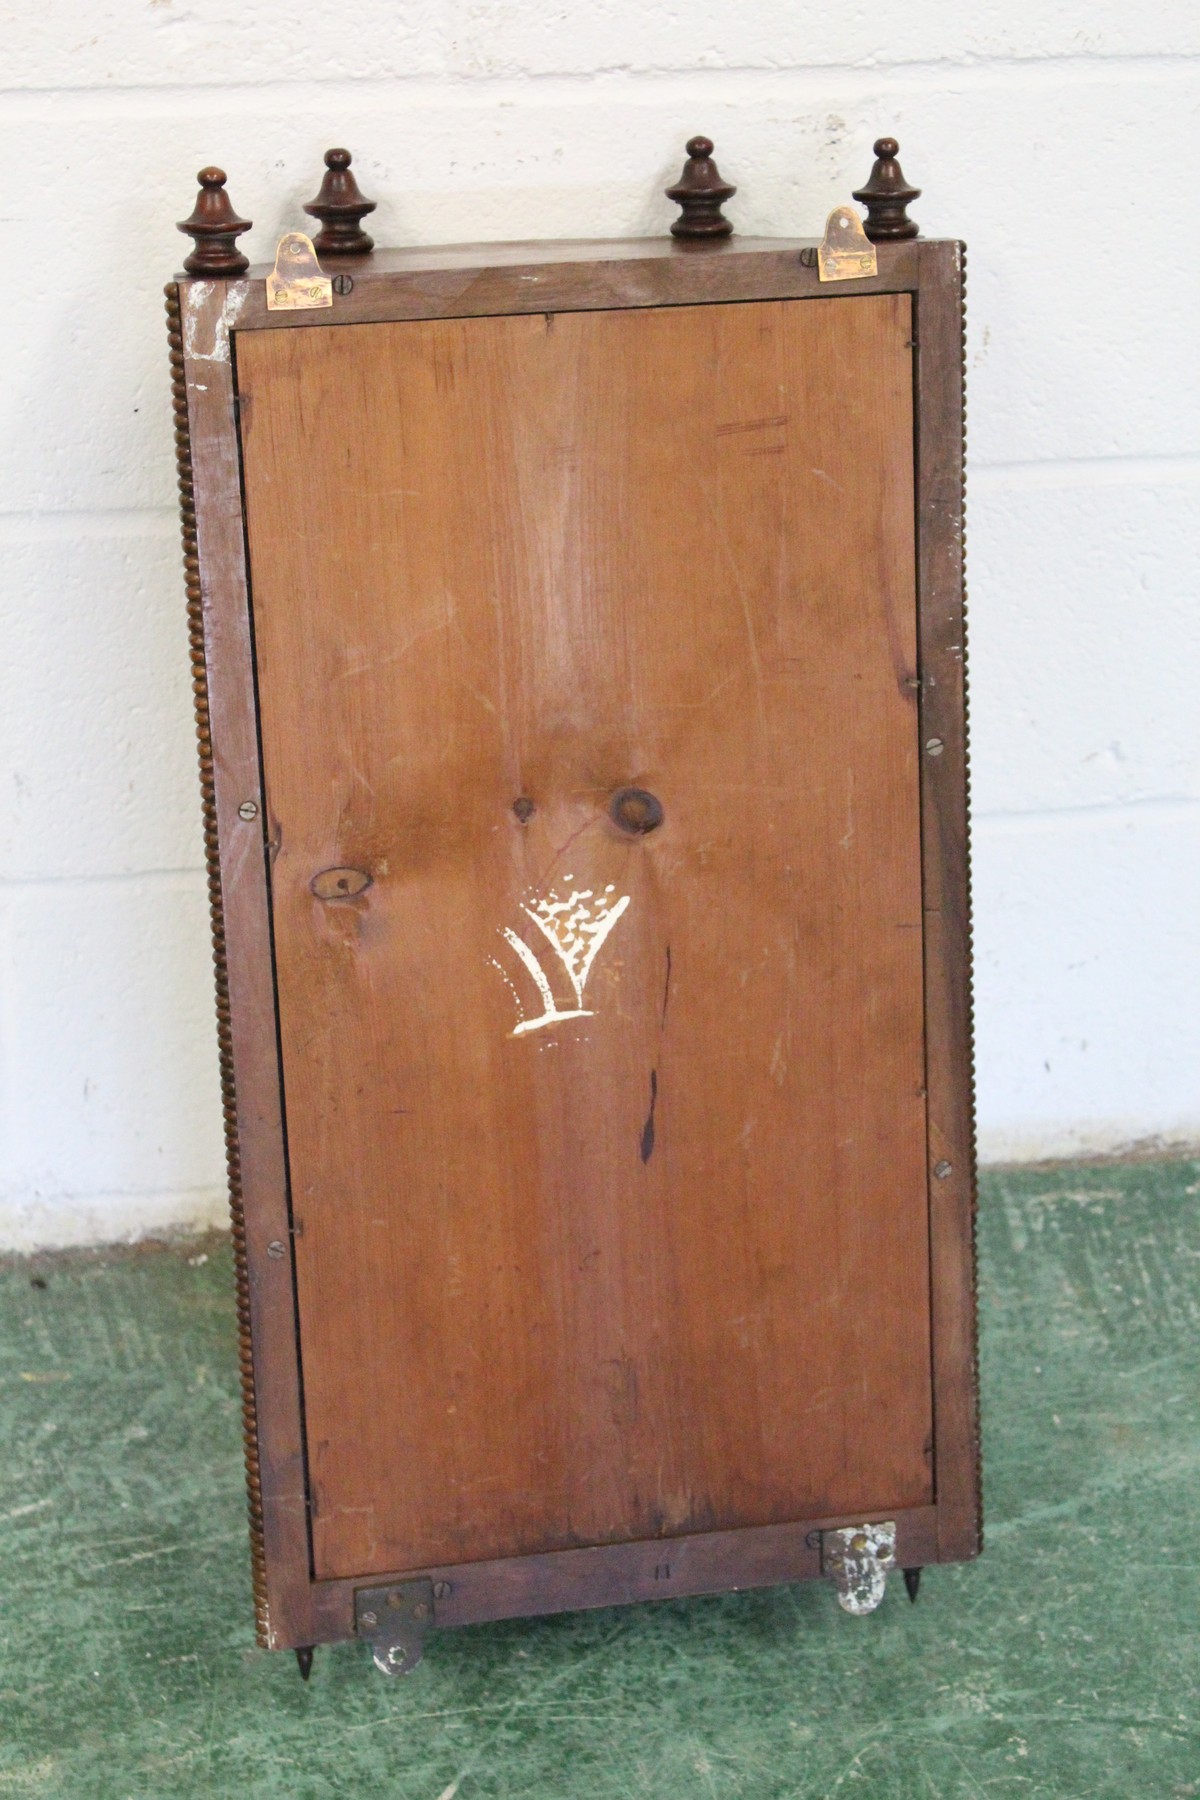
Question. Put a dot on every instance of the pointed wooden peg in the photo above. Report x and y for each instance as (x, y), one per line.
(213, 227)
(304, 1660)
(886, 196)
(341, 207)
(701, 193)
(912, 1584)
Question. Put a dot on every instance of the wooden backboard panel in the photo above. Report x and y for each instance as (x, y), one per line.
(662, 1266)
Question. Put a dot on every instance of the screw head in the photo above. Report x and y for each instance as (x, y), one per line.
(935, 746)
(942, 1170)
(442, 1590)
(370, 1618)
(276, 1249)
(247, 810)
(342, 284)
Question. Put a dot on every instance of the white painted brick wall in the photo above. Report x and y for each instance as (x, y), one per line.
(1057, 139)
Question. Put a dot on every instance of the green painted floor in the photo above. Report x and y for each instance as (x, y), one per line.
(1065, 1662)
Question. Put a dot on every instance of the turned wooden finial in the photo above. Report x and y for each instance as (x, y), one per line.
(701, 193)
(340, 206)
(886, 196)
(213, 227)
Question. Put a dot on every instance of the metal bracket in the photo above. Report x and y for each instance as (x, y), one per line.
(857, 1561)
(394, 1620)
(846, 253)
(297, 281)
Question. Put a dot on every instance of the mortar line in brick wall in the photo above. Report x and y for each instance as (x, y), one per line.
(34, 524)
(37, 525)
(1165, 808)
(184, 1190)
(453, 85)
(1085, 471)
(115, 878)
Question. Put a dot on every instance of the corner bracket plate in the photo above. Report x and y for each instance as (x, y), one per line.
(297, 282)
(394, 1621)
(857, 1561)
(846, 253)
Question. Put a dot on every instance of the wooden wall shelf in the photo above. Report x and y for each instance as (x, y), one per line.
(577, 633)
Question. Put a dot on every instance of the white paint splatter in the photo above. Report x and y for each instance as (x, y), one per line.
(575, 929)
(195, 297)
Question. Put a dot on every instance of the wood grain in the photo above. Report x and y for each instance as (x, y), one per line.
(242, 941)
(662, 1268)
(618, 1574)
(476, 280)
(949, 1061)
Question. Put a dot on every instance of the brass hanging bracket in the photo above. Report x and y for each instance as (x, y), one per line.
(297, 282)
(846, 253)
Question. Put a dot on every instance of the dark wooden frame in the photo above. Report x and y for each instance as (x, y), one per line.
(206, 317)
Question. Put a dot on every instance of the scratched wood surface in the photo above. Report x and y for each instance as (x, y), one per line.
(607, 1149)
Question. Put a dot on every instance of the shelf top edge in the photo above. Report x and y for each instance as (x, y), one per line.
(541, 252)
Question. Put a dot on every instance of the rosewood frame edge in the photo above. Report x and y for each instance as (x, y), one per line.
(296, 1608)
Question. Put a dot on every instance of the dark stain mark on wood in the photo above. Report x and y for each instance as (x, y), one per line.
(751, 424)
(666, 992)
(648, 1127)
(623, 1392)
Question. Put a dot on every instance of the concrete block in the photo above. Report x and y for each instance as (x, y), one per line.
(212, 43)
(110, 1084)
(1087, 971)
(1084, 639)
(96, 728)
(541, 37)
